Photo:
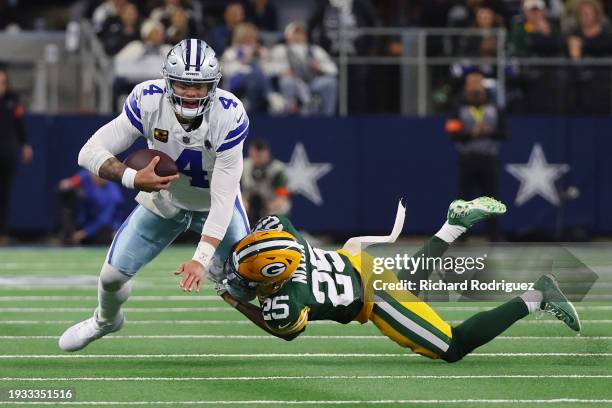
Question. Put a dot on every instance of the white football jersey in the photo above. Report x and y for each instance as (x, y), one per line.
(224, 126)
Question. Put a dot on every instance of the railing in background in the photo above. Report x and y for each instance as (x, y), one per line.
(57, 71)
(415, 64)
(33, 62)
(96, 73)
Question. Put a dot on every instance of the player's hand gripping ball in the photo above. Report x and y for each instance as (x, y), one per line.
(141, 158)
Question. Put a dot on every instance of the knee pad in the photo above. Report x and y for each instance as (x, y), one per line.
(111, 279)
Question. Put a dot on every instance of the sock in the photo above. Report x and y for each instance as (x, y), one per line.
(434, 248)
(449, 233)
(533, 299)
(114, 289)
(484, 327)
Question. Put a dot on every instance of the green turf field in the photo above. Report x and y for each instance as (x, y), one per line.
(191, 349)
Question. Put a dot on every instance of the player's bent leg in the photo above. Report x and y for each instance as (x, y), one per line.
(414, 325)
(113, 290)
(461, 215)
(485, 326)
(142, 236)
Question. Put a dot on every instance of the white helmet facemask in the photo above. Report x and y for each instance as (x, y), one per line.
(189, 62)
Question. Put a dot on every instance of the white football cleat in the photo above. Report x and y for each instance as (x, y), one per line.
(81, 334)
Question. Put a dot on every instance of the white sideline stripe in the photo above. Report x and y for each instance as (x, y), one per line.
(315, 377)
(246, 322)
(327, 402)
(184, 298)
(305, 337)
(126, 309)
(278, 355)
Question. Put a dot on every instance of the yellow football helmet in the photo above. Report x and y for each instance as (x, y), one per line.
(262, 261)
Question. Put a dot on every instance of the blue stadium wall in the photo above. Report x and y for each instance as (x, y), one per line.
(360, 166)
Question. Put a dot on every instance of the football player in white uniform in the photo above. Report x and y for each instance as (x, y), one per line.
(202, 128)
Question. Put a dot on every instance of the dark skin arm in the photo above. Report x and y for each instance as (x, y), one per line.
(146, 179)
(253, 313)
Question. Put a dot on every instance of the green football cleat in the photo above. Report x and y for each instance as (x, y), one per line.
(468, 213)
(556, 303)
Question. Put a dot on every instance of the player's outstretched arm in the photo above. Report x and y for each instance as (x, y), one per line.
(253, 313)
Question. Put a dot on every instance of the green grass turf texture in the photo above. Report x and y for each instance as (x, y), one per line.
(43, 310)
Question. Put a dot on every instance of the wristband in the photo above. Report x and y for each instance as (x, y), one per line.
(129, 175)
(204, 253)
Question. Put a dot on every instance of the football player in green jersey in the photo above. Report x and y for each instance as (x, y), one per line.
(297, 283)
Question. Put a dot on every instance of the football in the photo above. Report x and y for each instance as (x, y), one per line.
(141, 158)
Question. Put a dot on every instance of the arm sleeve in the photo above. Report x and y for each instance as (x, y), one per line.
(224, 187)
(111, 139)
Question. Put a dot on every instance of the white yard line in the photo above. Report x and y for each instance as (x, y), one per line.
(197, 298)
(315, 377)
(329, 402)
(246, 322)
(304, 337)
(277, 355)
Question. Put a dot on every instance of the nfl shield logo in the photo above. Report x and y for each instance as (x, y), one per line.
(186, 139)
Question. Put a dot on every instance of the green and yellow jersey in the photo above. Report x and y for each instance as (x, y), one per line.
(326, 286)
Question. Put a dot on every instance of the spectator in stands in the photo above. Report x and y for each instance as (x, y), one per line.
(110, 8)
(477, 128)
(534, 35)
(484, 45)
(180, 26)
(323, 27)
(459, 14)
(263, 14)
(307, 76)
(120, 30)
(165, 11)
(142, 58)
(330, 14)
(592, 38)
(90, 209)
(178, 19)
(8, 14)
(14, 148)
(242, 69)
(139, 60)
(264, 183)
(221, 35)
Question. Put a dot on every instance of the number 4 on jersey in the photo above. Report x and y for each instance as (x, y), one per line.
(227, 103)
(193, 160)
(153, 89)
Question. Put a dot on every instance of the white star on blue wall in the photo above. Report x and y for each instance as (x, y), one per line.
(537, 177)
(303, 175)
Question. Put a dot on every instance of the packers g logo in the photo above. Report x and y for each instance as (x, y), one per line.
(273, 269)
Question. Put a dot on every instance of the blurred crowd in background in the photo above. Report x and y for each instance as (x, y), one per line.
(282, 56)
